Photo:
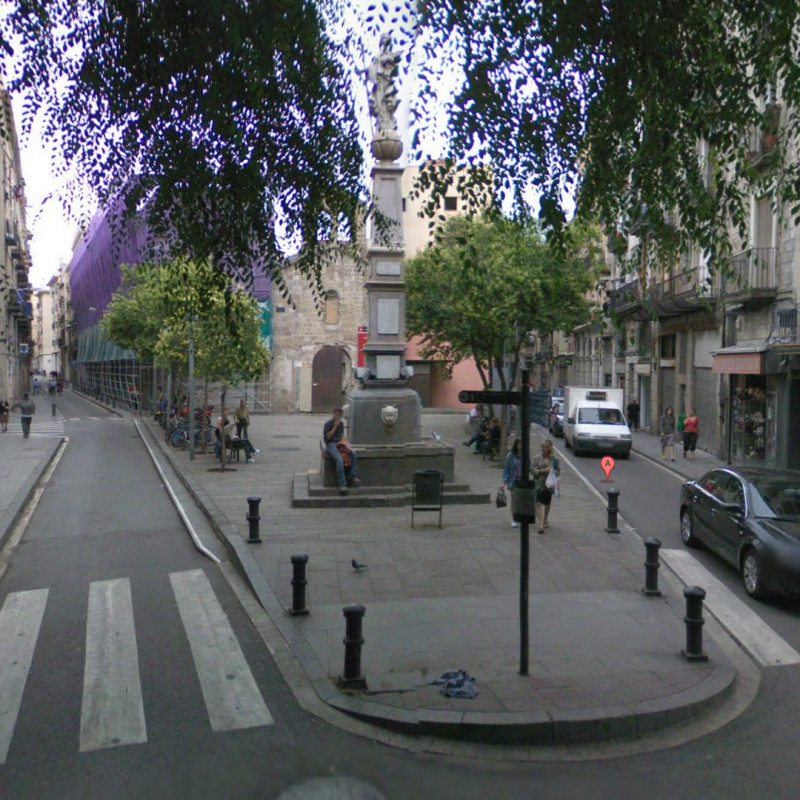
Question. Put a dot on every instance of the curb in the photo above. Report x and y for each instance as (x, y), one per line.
(21, 500)
(597, 725)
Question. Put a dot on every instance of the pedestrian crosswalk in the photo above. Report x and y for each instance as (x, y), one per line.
(112, 708)
(44, 426)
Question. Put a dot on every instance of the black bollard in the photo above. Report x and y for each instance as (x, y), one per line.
(613, 507)
(252, 518)
(54, 408)
(694, 624)
(352, 678)
(299, 582)
(651, 565)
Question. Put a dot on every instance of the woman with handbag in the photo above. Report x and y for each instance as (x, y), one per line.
(512, 472)
(545, 469)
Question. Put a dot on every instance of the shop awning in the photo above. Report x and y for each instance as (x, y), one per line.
(739, 360)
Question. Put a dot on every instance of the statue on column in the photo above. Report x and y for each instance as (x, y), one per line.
(383, 101)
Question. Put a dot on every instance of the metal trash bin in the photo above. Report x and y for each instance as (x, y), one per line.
(427, 491)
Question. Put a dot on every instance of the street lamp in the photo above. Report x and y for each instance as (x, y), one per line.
(191, 318)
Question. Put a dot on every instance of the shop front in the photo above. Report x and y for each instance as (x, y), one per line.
(750, 410)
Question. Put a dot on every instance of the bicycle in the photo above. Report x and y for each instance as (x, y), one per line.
(180, 435)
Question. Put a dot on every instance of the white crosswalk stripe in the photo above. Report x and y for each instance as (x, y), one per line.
(230, 691)
(112, 707)
(112, 711)
(20, 620)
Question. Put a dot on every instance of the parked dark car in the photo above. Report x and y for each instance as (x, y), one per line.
(751, 518)
(556, 425)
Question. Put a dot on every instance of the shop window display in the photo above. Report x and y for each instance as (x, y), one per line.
(753, 420)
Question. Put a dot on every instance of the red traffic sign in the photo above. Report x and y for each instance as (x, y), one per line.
(500, 398)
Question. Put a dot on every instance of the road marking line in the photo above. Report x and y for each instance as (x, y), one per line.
(112, 713)
(20, 620)
(231, 695)
(741, 622)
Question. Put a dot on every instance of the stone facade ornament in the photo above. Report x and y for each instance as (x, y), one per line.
(389, 415)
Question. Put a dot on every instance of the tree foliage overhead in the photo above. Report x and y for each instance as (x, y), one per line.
(238, 118)
(231, 124)
(150, 315)
(486, 283)
(608, 101)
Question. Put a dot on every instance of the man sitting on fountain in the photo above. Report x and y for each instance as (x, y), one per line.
(337, 448)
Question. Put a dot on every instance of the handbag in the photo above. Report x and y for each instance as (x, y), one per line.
(500, 501)
(552, 480)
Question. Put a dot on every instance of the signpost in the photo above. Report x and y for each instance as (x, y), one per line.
(516, 399)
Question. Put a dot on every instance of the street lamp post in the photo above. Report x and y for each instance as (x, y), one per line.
(191, 319)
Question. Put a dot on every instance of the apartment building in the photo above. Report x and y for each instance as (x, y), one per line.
(15, 301)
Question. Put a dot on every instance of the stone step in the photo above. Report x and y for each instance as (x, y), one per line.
(372, 496)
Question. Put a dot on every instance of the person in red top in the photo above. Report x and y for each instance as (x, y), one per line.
(691, 430)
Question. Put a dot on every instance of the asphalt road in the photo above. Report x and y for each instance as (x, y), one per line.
(105, 528)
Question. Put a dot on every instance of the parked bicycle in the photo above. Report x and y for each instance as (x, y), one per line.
(179, 435)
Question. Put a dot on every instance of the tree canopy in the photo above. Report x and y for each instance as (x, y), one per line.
(485, 284)
(234, 124)
(609, 101)
(231, 125)
(150, 315)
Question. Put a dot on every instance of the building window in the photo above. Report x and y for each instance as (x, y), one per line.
(331, 308)
(451, 204)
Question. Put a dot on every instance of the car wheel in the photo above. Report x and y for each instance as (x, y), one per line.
(752, 575)
(687, 529)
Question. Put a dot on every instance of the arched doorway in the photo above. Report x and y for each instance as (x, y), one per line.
(326, 378)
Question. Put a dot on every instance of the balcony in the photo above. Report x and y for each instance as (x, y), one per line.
(627, 301)
(687, 290)
(751, 278)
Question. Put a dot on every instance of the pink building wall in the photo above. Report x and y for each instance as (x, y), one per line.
(444, 392)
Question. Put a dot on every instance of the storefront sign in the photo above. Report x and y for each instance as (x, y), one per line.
(739, 363)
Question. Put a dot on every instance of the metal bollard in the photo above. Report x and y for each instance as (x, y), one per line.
(613, 507)
(352, 677)
(651, 565)
(54, 408)
(252, 518)
(299, 582)
(694, 624)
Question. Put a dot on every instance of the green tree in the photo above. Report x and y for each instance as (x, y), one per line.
(486, 283)
(150, 315)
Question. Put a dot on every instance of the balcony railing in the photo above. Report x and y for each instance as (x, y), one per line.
(625, 294)
(690, 285)
(752, 269)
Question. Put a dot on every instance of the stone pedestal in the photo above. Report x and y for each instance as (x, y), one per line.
(384, 416)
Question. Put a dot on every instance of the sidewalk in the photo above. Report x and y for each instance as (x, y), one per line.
(22, 463)
(604, 661)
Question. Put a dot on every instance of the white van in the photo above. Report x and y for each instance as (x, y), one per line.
(595, 424)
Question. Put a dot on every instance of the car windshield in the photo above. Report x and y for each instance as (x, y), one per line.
(602, 416)
(773, 498)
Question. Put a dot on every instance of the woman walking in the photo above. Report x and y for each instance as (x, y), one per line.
(542, 465)
(512, 472)
(691, 430)
(666, 427)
